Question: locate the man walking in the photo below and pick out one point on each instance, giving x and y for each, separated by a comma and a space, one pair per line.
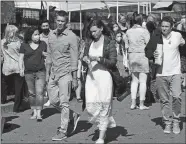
168, 74
62, 65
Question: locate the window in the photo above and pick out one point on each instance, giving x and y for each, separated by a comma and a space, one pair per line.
33, 14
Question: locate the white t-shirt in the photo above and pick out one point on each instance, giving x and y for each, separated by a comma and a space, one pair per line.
171, 56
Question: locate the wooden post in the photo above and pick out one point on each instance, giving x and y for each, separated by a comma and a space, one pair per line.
161, 16
117, 11
80, 22
138, 7
47, 11
150, 7
69, 16
147, 9
143, 9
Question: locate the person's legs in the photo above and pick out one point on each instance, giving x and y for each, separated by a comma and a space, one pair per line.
25, 101
105, 93
39, 86
53, 91
175, 89
134, 88
30, 79
4, 88
67, 114
19, 91
78, 91
61, 102
142, 89
163, 92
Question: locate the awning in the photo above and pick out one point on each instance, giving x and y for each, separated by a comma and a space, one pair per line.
71, 6
162, 5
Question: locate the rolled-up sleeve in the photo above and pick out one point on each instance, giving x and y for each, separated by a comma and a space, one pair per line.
73, 52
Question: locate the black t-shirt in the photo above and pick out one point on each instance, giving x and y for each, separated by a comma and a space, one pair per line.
33, 59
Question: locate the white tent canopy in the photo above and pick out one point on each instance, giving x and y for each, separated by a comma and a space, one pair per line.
162, 5
71, 6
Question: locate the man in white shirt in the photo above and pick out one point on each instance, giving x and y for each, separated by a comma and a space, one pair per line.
169, 76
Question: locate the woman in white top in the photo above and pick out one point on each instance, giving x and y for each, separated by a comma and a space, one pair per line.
100, 56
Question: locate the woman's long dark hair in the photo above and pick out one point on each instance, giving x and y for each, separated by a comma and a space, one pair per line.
28, 34
110, 26
99, 23
122, 43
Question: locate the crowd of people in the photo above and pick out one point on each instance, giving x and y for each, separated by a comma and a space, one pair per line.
114, 60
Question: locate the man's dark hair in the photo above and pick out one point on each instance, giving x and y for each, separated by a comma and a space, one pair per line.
168, 19
44, 21
62, 14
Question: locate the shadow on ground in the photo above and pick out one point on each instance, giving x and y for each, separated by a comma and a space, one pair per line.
82, 126
158, 121
10, 118
47, 112
112, 134
10, 127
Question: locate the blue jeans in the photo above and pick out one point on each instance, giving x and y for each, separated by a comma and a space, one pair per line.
36, 85
169, 91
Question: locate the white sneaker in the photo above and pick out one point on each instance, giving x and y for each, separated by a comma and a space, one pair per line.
100, 141
47, 104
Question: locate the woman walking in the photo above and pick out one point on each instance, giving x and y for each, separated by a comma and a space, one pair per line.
10, 46
31, 64
138, 38
100, 56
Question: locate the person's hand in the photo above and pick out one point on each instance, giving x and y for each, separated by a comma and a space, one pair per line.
93, 58
74, 84
156, 54
182, 42
45, 54
86, 59
22, 72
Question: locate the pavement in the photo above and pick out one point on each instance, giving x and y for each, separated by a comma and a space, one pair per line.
133, 126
